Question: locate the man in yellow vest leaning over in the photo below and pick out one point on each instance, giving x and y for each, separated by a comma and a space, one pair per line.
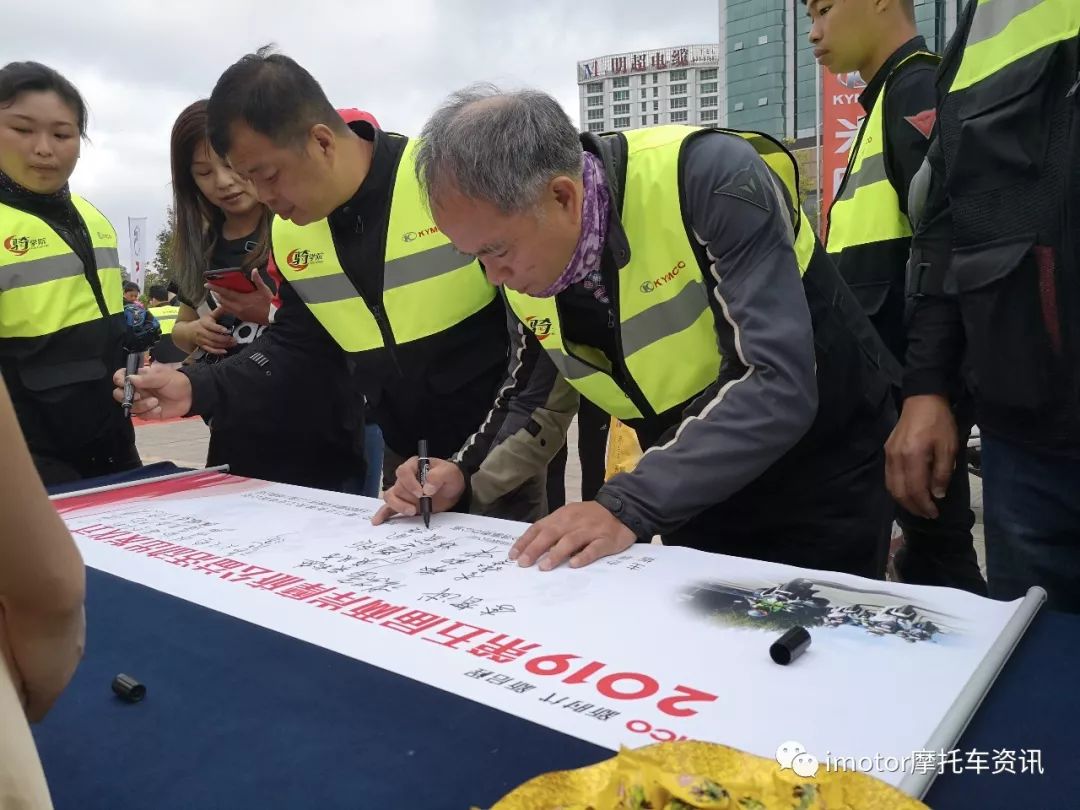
671, 278
377, 305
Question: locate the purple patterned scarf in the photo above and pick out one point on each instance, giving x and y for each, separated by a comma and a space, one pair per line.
584, 265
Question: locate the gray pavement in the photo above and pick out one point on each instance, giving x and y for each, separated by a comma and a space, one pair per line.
184, 442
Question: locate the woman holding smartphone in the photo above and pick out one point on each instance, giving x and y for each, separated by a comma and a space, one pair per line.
220, 226
220, 257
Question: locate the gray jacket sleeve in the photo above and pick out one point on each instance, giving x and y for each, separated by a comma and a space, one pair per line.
766, 396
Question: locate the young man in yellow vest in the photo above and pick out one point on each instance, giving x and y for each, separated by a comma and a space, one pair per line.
377, 305
995, 285
869, 232
161, 309
165, 308
671, 278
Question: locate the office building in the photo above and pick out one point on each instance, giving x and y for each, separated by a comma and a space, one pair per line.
765, 80
678, 85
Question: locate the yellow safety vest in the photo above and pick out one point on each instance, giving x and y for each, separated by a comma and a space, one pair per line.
667, 331
166, 316
867, 209
428, 286
43, 287
1004, 31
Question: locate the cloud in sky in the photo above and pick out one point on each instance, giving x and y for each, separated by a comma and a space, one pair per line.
140, 63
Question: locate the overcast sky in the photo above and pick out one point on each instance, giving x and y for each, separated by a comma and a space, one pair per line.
140, 63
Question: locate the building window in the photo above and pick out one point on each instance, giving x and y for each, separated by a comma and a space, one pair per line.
708, 115
642, 79
707, 101
655, 91
621, 109
761, 102
644, 92
738, 106
594, 87
763, 39
677, 116
644, 106
622, 123
655, 78
596, 115
656, 119
644, 120
595, 101
677, 75
620, 95
678, 103
598, 127
737, 46
709, 87
705, 75
620, 81
678, 89
655, 106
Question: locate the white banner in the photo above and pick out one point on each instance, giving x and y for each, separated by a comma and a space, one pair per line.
655, 644
137, 236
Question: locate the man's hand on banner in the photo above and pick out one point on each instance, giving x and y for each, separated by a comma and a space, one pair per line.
445, 485
580, 532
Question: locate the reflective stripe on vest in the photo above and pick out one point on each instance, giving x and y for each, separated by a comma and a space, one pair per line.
166, 316
43, 286
428, 286
1004, 31
867, 210
667, 329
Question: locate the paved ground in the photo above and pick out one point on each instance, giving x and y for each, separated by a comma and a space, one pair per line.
184, 442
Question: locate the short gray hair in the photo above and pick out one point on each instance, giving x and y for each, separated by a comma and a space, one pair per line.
499, 147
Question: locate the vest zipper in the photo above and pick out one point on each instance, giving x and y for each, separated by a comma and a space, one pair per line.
376, 309
635, 395
1075, 88
632, 390
89, 262
847, 172
388, 337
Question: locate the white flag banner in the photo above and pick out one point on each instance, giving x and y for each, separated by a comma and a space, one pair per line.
137, 236
654, 644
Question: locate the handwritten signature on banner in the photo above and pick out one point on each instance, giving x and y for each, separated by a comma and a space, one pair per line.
498, 648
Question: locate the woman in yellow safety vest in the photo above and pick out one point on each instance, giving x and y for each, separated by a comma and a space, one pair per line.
62, 324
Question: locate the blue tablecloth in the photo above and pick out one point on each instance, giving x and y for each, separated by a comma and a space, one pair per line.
237, 716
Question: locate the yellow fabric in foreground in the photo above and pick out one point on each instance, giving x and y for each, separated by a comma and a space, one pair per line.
689, 775
623, 449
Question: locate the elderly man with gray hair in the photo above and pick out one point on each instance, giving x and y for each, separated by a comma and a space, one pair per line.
670, 276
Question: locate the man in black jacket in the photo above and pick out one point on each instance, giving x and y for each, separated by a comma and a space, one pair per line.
373, 300
995, 283
869, 234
